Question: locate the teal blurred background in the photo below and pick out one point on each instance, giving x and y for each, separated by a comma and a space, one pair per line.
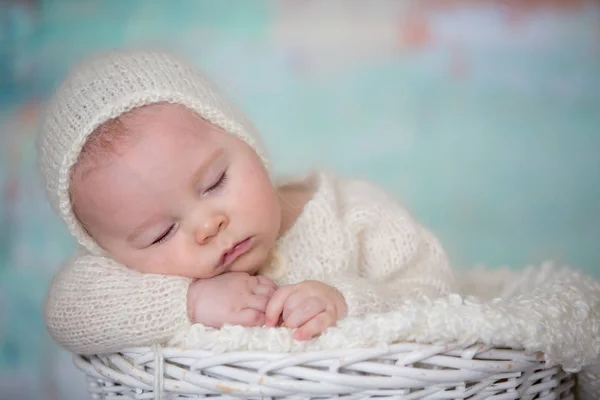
483, 117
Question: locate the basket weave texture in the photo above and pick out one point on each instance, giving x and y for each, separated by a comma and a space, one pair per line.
402, 371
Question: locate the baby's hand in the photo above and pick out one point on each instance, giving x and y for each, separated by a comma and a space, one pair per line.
233, 298
311, 306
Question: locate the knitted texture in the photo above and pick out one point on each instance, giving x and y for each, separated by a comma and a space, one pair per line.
94, 303
351, 235
104, 88
355, 237
546, 308
588, 382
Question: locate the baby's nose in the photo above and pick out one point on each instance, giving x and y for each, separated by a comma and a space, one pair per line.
211, 227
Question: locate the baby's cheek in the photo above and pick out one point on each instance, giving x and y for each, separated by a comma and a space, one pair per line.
267, 209
157, 265
194, 261
251, 207
179, 260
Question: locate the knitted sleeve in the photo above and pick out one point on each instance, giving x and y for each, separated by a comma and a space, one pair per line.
398, 258
96, 306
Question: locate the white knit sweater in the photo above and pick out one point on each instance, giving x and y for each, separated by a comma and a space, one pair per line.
351, 235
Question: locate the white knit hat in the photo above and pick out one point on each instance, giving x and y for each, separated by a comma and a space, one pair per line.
107, 86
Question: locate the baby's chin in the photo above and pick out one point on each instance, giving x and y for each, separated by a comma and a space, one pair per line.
250, 269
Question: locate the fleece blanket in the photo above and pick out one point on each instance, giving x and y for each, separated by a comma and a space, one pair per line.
539, 309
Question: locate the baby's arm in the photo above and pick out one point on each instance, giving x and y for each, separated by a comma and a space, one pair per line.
398, 257
96, 306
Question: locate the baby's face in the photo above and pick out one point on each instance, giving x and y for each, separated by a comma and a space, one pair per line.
184, 198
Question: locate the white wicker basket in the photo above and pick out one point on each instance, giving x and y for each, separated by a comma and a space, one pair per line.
403, 371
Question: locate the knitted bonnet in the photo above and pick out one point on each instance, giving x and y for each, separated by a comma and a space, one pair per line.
105, 87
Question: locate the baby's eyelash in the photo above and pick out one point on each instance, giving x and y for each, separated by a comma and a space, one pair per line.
219, 184
164, 236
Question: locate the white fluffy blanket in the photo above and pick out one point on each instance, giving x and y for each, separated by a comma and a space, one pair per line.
547, 309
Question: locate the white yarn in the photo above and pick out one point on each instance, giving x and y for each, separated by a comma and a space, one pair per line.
558, 315
104, 88
588, 383
95, 303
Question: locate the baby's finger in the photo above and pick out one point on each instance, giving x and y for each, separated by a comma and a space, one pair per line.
249, 317
304, 312
258, 303
293, 302
315, 326
264, 290
263, 280
275, 306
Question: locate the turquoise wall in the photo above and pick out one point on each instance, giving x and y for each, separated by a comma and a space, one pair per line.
483, 118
